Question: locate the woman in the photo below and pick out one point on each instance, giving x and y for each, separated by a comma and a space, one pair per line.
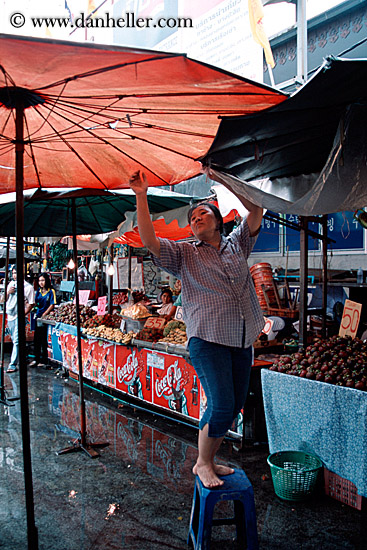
221, 311
45, 301
168, 309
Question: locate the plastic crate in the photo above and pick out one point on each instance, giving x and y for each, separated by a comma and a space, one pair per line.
134, 324
294, 474
341, 489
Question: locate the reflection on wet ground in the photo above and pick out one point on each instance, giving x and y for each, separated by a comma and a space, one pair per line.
137, 494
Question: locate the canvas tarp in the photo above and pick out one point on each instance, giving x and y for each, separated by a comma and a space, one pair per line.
305, 156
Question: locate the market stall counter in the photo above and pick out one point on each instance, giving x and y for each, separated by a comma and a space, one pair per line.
158, 374
326, 420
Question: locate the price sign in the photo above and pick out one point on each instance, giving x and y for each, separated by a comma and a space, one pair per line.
268, 325
178, 314
123, 325
83, 297
155, 322
101, 310
350, 320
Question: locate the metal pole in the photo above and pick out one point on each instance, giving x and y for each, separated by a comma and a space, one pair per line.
324, 274
303, 282
22, 359
81, 444
83, 427
110, 280
129, 268
2, 382
301, 41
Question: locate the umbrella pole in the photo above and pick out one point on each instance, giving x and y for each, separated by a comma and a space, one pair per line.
110, 281
3, 399
80, 444
22, 358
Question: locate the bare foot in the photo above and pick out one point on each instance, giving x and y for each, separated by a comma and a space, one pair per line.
222, 470
207, 476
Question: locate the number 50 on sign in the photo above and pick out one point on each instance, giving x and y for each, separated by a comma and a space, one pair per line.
350, 320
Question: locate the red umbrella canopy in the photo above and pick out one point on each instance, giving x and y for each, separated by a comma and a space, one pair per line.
93, 114
170, 231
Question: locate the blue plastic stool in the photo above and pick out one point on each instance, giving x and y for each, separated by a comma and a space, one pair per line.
237, 488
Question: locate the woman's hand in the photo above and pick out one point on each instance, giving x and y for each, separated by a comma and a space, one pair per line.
139, 183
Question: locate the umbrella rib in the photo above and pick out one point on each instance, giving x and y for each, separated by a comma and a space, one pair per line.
49, 114
106, 69
103, 140
137, 123
93, 214
5, 123
123, 152
149, 110
73, 150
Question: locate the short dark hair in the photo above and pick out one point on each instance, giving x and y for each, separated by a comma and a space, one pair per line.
213, 208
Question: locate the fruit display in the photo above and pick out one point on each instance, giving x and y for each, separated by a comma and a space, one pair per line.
119, 298
176, 336
171, 325
66, 313
150, 334
108, 333
337, 360
137, 311
139, 296
108, 320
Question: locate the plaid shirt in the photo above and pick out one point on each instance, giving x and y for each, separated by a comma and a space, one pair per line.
219, 302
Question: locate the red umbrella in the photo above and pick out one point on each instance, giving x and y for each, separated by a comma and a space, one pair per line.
165, 230
83, 115
95, 114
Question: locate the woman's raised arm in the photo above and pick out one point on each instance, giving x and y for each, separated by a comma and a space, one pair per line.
139, 184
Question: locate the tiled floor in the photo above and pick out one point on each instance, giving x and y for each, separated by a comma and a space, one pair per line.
137, 494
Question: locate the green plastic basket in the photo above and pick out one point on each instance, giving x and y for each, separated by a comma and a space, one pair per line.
294, 474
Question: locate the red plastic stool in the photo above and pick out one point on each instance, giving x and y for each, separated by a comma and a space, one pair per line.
236, 488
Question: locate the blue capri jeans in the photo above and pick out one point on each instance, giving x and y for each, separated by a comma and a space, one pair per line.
224, 373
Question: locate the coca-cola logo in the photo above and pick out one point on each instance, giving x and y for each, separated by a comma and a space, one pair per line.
127, 373
171, 465
171, 383
128, 440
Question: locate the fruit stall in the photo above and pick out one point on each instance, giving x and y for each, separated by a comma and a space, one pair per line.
315, 401
135, 358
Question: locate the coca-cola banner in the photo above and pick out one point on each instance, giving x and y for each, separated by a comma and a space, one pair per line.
90, 358
130, 370
174, 382
106, 365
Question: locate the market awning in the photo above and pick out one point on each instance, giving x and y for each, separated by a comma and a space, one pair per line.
95, 114
305, 156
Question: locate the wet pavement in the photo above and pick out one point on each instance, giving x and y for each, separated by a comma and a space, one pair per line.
137, 494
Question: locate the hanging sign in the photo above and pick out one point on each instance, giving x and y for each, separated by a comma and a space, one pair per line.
101, 310
178, 314
268, 325
155, 322
83, 297
350, 320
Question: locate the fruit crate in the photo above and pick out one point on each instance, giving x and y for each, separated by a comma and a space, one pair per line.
282, 312
341, 489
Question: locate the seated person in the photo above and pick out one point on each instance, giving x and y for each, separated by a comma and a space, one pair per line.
168, 309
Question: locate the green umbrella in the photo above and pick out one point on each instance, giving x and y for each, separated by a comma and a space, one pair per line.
48, 212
